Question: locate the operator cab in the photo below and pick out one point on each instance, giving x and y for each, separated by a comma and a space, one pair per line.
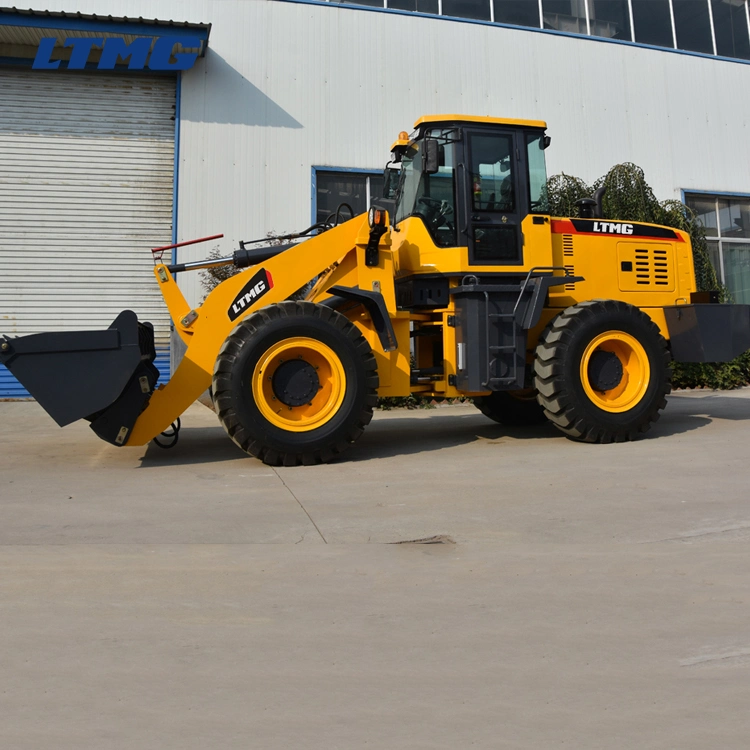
471, 181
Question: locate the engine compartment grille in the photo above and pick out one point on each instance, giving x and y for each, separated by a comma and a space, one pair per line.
652, 267
567, 245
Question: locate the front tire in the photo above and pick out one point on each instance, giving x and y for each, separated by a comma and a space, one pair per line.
602, 372
295, 383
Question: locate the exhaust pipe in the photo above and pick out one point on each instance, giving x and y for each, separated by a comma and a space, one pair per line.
106, 376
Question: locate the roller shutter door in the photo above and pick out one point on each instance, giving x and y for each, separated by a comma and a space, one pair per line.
86, 189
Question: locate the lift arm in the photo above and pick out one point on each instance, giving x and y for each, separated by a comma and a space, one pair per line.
205, 328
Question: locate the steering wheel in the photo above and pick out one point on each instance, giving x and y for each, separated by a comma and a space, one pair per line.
439, 211
431, 202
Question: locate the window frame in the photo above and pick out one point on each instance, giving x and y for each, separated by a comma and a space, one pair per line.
367, 173
718, 239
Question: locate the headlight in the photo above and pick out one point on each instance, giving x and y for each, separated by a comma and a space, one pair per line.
376, 217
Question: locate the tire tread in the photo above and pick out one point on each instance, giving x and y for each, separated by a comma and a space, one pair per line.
555, 395
227, 361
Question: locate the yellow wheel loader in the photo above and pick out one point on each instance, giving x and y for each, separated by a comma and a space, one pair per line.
457, 283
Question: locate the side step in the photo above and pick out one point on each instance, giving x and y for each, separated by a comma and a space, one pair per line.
105, 376
493, 320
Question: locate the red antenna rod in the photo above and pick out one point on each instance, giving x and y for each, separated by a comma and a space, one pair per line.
187, 242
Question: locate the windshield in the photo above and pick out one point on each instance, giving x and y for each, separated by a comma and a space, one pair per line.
432, 197
535, 146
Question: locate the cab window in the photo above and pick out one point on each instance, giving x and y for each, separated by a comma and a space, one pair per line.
432, 197
492, 179
538, 202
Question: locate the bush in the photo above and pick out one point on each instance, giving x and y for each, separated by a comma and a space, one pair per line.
212, 277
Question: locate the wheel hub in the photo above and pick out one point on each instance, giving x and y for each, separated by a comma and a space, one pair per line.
295, 382
615, 371
605, 370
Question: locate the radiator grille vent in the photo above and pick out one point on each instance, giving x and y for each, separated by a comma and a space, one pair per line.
652, 267
567, 244
661, 268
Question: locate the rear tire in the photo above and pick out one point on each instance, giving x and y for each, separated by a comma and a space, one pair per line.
512, 408
602, 372
295, 383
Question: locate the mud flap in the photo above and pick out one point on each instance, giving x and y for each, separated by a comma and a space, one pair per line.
105, 376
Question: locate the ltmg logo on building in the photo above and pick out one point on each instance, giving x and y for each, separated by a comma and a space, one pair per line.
115, 49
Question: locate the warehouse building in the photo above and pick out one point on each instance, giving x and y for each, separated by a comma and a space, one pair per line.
121, 132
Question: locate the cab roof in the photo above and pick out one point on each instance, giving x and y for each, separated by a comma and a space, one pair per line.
428, 119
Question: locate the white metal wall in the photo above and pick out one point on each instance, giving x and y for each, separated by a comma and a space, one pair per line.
86, 183
285, 86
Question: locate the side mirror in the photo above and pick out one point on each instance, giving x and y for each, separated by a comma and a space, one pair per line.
544, 142
431, 157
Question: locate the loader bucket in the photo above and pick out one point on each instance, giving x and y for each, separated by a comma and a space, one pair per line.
105, 376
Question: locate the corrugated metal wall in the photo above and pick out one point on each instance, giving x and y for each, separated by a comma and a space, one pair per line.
285, 86
86, 183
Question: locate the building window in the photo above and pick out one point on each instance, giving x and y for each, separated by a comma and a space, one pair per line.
731, 29
727, 222
610, 19
565, 15
333, 187
693, 25
653, 22
712, 27
368, 3
517, 12
417, 6
478, 9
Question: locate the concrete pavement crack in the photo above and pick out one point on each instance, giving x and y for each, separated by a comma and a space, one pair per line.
703, 534
299, 502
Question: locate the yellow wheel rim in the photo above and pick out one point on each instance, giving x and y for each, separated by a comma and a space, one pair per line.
325, 402
636, 371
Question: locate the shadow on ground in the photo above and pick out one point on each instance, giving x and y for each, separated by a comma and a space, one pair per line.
401, 436
686, 414
398, 435
714, 406
197, 445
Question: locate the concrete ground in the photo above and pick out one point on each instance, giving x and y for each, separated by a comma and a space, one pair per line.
580, 596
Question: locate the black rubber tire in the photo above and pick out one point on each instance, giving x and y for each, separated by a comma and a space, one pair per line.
510, 409
558, 379
232, 390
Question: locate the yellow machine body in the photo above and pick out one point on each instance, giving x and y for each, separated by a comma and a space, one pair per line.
664, 277
338, 256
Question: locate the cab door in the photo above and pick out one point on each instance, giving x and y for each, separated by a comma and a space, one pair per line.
495, 202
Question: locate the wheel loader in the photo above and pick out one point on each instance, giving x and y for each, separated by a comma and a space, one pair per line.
458, 283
